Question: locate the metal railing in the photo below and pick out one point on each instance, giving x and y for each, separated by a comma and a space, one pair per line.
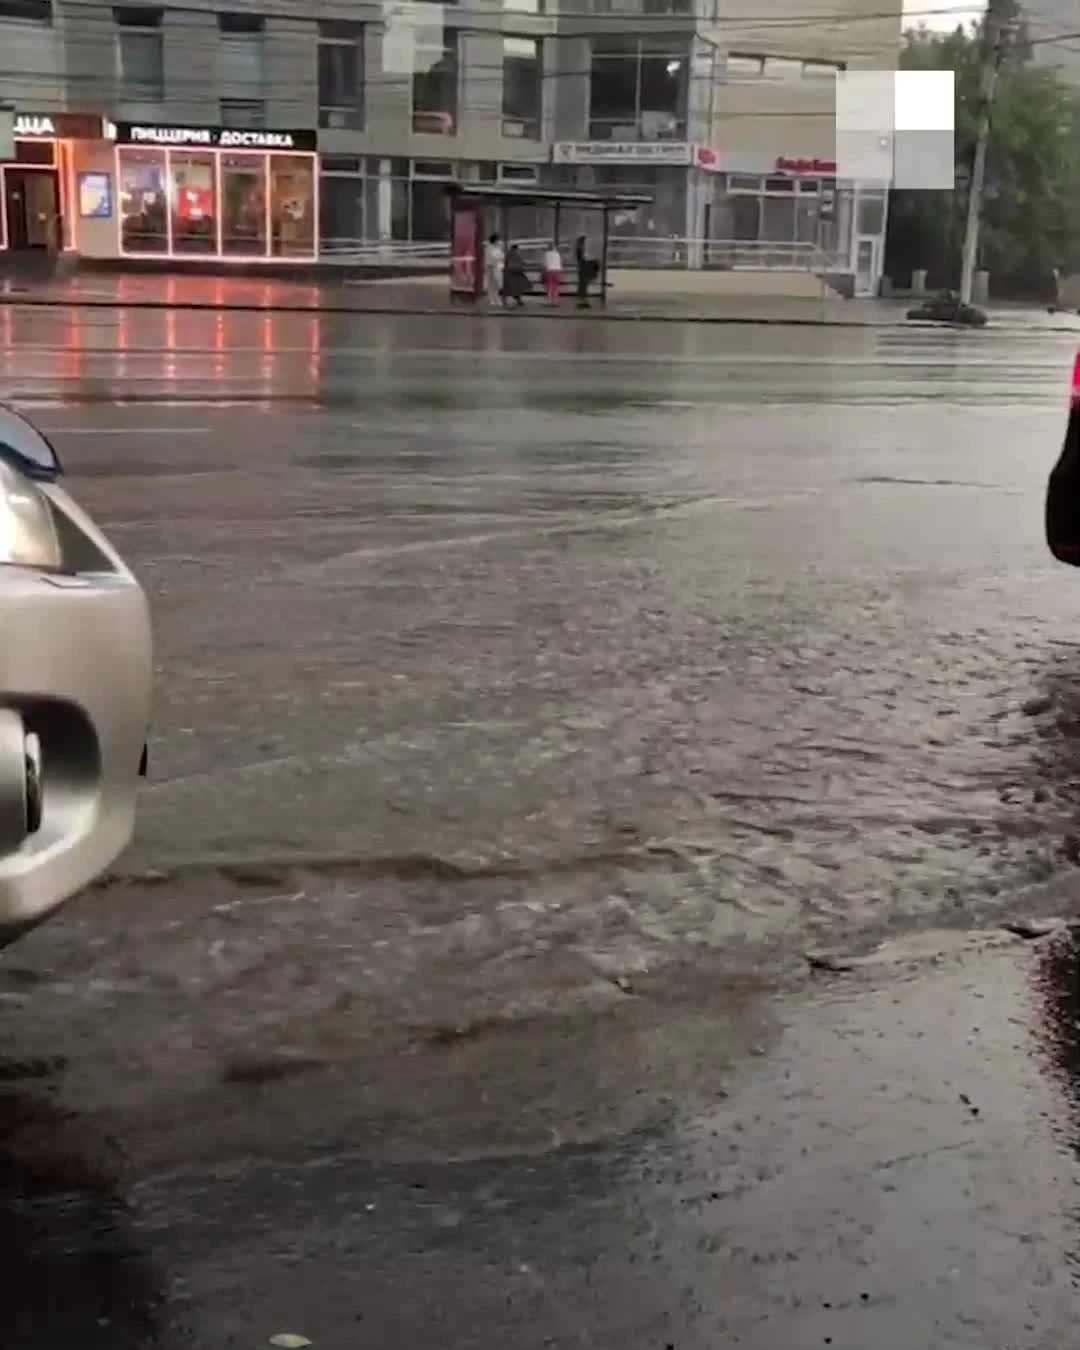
764, 255
645, 251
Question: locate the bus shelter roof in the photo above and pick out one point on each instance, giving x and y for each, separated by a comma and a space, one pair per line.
536, 196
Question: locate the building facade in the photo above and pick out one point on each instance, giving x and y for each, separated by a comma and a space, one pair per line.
269, 130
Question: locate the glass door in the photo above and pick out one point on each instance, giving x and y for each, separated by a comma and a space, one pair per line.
867, 265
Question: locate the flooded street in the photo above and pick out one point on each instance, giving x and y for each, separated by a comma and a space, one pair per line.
531, 698
574, 654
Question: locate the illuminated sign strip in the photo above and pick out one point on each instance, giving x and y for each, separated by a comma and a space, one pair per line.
217, 138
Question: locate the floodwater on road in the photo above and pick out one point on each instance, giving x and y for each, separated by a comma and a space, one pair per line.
506, 667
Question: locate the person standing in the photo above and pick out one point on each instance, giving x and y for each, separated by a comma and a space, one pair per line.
585, 270
552, 273
494, 267
516, 278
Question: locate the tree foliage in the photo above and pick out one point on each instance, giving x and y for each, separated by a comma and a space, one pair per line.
1031, 215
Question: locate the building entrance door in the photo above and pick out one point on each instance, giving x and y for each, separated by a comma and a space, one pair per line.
32, 209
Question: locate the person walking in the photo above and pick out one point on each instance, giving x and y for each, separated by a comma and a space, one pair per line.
552, 273
494, 267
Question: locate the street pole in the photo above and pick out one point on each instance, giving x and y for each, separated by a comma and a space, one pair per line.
992, 44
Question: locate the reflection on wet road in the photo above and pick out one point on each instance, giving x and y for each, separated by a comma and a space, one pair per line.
531, 697
356, 361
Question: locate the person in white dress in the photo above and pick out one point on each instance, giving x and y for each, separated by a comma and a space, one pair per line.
494, 266
552, 273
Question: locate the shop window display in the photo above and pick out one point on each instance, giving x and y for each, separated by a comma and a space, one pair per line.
194, 208
143, 205
243, 205
292, 206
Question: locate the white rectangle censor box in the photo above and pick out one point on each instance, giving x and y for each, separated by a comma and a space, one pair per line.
896, 128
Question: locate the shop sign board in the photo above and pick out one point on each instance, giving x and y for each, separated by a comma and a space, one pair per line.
215, 138
73, 126
622, 152
820, 168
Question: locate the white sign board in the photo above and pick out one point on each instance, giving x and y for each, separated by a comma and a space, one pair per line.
622, 152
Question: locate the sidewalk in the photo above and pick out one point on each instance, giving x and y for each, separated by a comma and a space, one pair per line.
430, 296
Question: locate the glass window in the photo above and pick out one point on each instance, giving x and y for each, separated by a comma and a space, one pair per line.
663, 89
821, 70
243, 114
194, 208
778, 219
740, 66
140, 54
29, 11
871, 214
430, 216
806, 221
613, 89
143, 221
524, 6
638, 88
523, 87
292, 206
340, 74
241, 58
243, 205
341, 211
435, 90
781, 68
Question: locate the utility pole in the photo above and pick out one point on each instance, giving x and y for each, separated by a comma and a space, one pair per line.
993, 43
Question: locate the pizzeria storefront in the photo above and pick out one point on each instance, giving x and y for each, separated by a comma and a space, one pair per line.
215, 193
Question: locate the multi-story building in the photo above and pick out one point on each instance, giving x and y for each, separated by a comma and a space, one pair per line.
276, 130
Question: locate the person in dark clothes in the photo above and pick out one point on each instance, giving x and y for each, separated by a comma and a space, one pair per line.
516, 279
584, 270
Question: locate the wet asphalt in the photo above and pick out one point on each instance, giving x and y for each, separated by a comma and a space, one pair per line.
532, 698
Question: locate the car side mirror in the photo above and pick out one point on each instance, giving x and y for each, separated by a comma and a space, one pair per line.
27, 449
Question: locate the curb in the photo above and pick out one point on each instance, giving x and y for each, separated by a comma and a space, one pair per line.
415, 311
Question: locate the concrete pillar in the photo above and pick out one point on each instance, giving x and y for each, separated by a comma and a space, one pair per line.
918, 281
383, 202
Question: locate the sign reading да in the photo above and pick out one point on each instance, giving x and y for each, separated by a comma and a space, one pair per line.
214, 138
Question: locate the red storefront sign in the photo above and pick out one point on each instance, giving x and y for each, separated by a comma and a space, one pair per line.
824, 167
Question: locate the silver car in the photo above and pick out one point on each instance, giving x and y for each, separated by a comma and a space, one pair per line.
75, 677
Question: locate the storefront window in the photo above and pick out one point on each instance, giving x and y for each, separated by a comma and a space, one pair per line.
292, 206
194, 205
341, 202
143, 202
243, 205
776, 221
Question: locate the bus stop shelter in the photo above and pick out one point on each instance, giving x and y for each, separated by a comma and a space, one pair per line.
479, 209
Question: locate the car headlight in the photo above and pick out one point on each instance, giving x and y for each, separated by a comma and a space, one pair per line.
27, 530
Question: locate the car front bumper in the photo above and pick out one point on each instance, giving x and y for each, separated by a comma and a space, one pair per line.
76, 667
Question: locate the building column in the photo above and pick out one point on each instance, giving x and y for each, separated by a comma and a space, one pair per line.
384, 205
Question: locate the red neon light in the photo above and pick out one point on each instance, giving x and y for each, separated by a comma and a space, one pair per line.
1075, 393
